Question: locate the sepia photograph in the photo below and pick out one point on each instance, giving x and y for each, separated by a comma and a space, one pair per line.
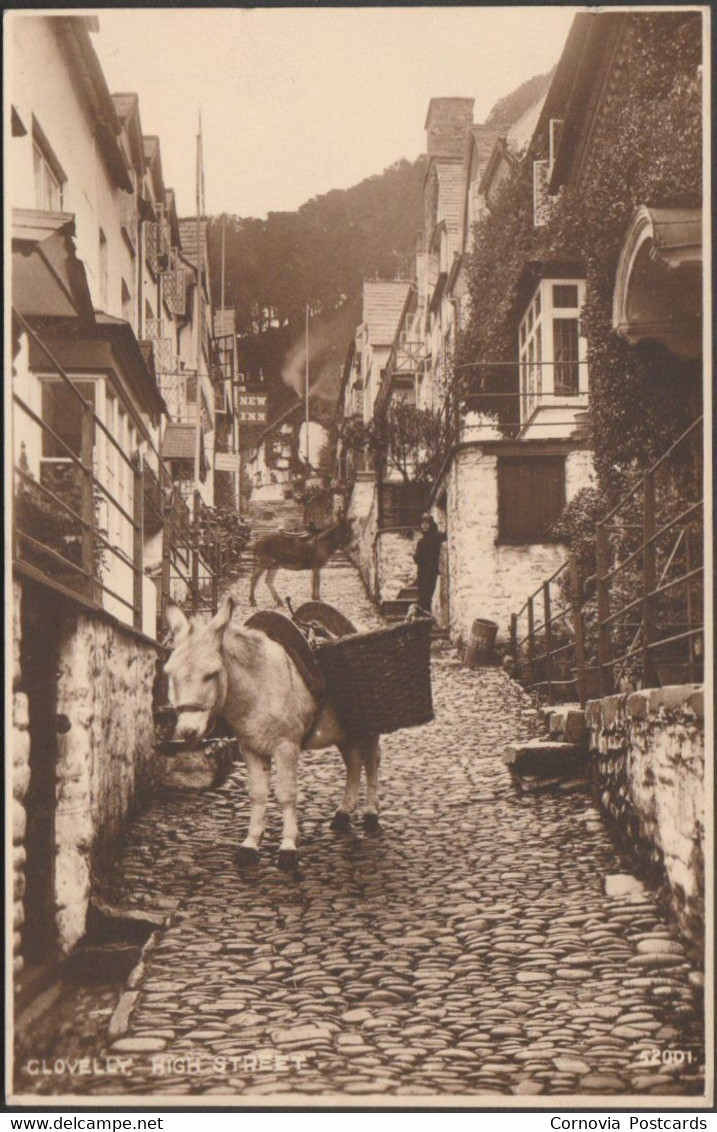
357, 446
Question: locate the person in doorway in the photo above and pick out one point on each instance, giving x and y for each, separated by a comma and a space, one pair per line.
426, 557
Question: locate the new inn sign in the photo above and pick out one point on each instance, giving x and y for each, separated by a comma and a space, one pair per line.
251, 407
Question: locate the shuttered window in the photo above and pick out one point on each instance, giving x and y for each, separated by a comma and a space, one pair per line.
531, 495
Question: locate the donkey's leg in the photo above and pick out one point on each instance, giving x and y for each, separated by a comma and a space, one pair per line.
258, 782
256, 573
351, 754
372, 760
316, 583
270, 575
286, 757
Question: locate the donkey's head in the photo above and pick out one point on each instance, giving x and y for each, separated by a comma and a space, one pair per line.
197, 676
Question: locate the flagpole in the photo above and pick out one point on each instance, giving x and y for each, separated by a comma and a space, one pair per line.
198, 422
307, 384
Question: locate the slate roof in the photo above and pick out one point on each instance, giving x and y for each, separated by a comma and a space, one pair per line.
484, 138
178, 441
188, 238
382, 305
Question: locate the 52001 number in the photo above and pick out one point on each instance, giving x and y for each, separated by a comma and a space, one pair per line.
666, 1056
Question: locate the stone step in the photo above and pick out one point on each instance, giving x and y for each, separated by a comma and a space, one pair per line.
408, 593
547, 758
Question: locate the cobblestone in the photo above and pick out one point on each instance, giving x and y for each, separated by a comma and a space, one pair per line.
485, 942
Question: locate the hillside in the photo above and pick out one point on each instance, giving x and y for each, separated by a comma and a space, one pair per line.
318, 255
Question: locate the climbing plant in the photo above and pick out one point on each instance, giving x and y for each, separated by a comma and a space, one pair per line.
646, 150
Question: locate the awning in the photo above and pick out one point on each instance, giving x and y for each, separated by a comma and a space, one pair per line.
178, 443
658, 286
48, 280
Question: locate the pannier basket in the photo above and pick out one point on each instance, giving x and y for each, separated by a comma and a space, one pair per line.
380, 681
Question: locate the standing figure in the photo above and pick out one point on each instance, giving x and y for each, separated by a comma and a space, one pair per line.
426, 557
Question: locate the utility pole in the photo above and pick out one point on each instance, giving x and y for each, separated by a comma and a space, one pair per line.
198, 421
307, 385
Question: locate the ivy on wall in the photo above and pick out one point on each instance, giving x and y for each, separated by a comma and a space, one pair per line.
646, 149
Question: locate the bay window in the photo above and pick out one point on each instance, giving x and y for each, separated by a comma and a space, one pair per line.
552, 351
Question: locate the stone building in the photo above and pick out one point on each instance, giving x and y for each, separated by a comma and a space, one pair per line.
495, 498
103, 320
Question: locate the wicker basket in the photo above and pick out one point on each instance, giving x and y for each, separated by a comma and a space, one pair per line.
380, 681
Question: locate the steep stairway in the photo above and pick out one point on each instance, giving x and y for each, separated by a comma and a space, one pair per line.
267, 518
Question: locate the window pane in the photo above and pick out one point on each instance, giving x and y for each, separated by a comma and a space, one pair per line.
565, 344
62, 411
37, 171
565, 295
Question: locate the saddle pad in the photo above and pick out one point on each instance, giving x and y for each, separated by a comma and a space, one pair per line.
278, 627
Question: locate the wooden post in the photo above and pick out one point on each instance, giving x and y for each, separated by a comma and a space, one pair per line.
649, 581
689, 559
579, 629
138, 539
215, 566
194, 539
548, 636
514, 636
166, 554
87, 502
531, 641
603, 611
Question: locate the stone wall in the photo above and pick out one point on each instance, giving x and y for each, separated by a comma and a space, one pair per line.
396, 568
363, 511
485, 578
104, 759
648, 752
105, 748
20, 781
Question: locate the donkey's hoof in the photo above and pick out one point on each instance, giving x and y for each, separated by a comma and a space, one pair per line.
371, 823
247, 856
288, 860
252, 601
341, 821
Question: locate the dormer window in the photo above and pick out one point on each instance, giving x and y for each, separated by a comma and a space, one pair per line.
47, 173
552, 352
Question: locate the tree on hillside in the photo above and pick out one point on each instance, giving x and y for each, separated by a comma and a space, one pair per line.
509, 109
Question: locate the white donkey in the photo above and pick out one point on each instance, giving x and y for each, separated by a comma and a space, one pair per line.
220, 669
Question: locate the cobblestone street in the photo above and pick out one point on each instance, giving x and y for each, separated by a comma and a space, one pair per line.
468, 949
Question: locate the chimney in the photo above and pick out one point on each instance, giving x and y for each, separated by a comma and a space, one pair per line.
447, 121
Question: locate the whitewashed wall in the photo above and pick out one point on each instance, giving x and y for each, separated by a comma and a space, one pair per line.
486, 579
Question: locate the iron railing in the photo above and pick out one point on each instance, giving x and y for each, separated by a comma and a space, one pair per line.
86, 533
639, 620
549, 638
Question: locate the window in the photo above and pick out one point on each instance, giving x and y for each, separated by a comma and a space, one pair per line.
48, 186
104, 272
127, 304
62, 411
531, 495
552, 352
565, 345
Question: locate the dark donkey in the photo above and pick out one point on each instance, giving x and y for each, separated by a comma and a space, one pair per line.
288, 551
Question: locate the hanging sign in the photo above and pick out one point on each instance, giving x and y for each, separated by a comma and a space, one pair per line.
252, 407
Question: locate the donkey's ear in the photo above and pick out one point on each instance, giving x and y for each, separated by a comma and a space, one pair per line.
178, 624
221, 619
